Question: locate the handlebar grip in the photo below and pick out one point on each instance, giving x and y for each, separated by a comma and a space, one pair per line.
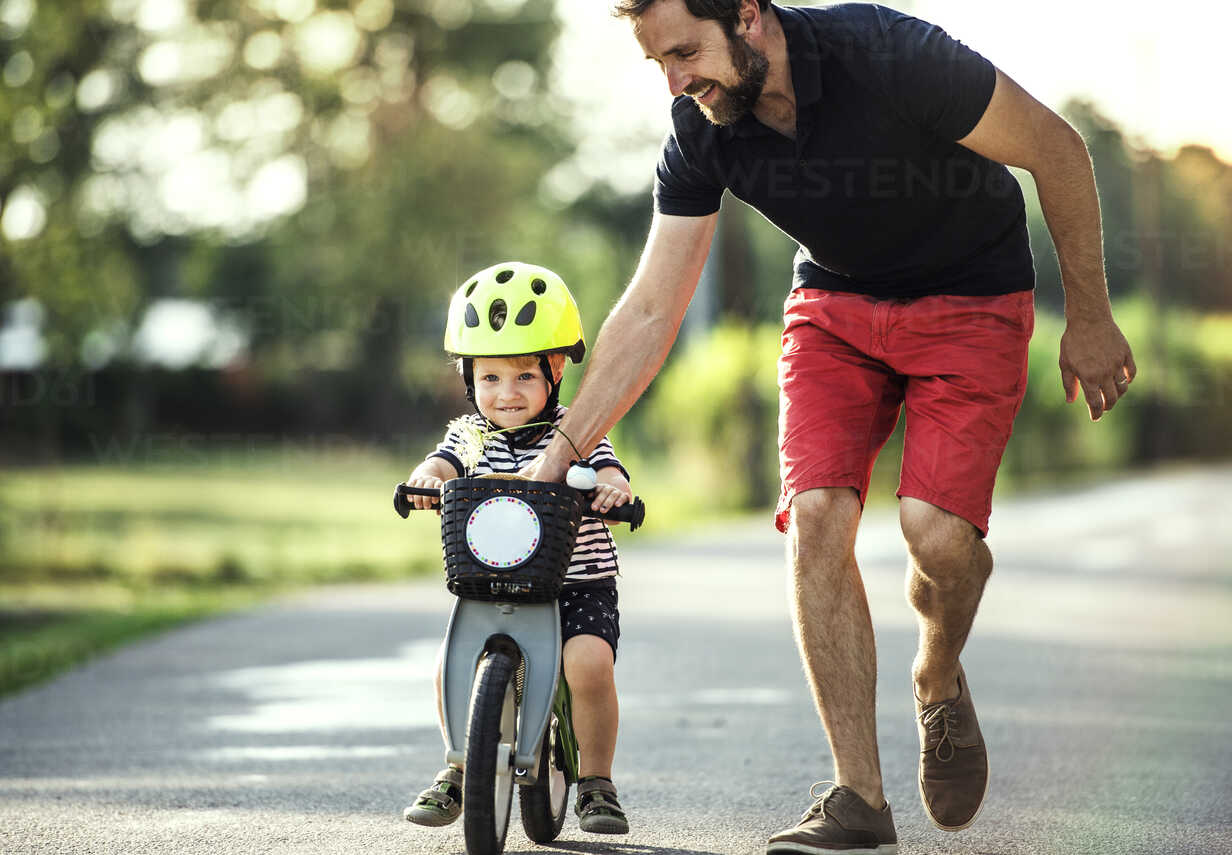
403, 505
633, 513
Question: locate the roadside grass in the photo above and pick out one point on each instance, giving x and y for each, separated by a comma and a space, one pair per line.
92, 556
274, 518
96, 555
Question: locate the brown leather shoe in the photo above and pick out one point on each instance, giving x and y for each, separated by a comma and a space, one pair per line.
953, 759
840, 821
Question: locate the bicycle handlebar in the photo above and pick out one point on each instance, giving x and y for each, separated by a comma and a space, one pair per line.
633, 513
403, 505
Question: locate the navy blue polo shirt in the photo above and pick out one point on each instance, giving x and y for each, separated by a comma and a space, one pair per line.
874, 189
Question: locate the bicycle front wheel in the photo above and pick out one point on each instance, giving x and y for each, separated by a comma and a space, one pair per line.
544, 802
487, 786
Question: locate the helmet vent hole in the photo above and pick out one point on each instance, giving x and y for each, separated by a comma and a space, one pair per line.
538, 286
526, 315
470, 289
504, 276
497, 313
471, 317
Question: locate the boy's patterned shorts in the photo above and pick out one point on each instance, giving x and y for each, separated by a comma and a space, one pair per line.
586, 610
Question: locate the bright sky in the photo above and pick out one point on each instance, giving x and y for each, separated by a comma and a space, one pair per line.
1156, 69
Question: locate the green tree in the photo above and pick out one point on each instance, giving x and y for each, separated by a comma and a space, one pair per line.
145, 133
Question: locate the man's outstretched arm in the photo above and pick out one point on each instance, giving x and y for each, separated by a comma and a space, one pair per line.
635, 338
1019, 131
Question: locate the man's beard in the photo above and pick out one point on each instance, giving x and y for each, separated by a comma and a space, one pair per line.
734, 102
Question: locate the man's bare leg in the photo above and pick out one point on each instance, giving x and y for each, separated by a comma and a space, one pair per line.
834, 632
949, 564
945, 580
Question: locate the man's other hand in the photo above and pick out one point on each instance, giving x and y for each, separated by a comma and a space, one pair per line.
1096, 360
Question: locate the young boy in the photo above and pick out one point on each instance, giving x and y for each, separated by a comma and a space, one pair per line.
511, 327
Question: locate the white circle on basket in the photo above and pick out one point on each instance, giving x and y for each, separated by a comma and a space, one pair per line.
503, 532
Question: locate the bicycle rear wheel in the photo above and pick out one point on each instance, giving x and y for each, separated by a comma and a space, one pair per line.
487, 786
544, 802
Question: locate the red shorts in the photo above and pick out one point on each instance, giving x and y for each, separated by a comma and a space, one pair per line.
849, 365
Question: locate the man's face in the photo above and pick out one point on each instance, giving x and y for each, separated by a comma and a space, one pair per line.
723, 73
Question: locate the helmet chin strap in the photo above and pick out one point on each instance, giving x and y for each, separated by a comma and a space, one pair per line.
526, 436
549, 408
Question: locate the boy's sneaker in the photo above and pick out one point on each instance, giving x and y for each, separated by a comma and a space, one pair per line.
839, 821
597, 809
953, 760
441, 803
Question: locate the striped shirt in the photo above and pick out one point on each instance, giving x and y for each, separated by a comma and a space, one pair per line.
594, 557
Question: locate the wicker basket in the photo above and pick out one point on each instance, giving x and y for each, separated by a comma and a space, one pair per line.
536, 579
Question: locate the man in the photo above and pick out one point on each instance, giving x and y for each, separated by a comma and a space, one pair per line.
877, 142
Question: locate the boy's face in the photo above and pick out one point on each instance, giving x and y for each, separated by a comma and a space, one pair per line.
509, 391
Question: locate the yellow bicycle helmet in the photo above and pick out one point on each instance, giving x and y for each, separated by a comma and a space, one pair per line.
514, 309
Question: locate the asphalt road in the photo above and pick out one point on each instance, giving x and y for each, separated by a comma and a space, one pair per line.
1100, 666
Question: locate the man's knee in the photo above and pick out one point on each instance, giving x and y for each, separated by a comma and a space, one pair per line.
825, 509
941, 544
821, 540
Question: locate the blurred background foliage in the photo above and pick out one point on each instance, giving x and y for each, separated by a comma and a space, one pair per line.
229, 230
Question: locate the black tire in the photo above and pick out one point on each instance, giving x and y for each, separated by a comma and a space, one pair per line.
487, 786
545, 802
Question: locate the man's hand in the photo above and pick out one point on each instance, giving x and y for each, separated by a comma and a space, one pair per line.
1096, 360
545, 467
